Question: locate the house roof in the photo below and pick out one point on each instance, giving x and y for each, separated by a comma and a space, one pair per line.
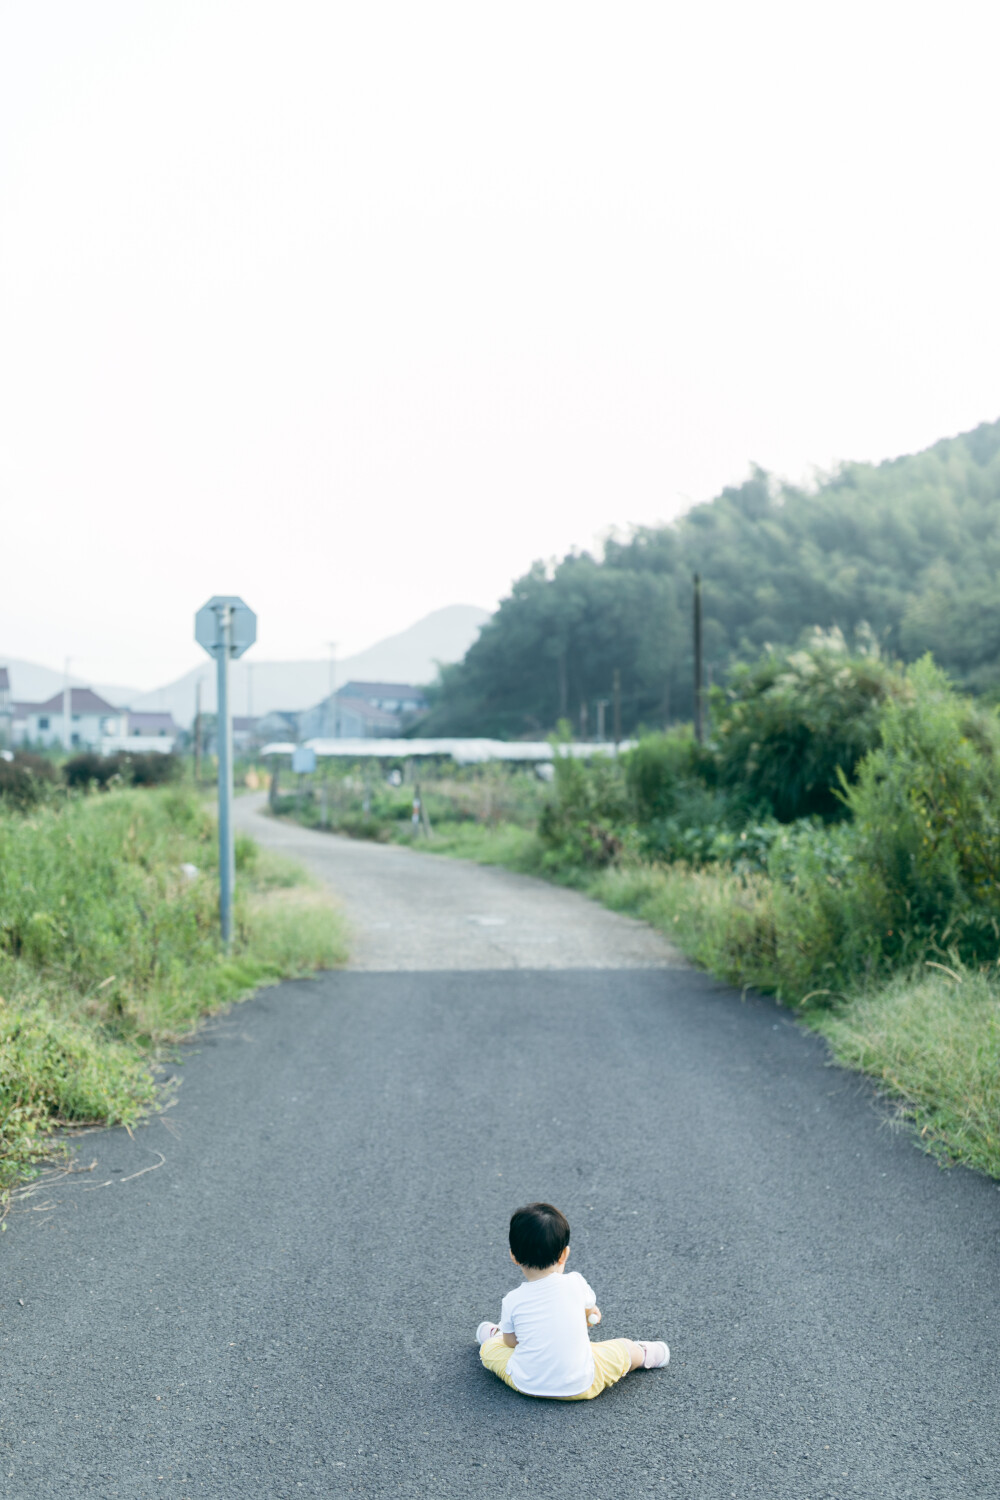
151, 722
243, 724
354, 689
368, 712
279, 715
82, 701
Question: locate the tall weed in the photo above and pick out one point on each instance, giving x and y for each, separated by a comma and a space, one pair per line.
109, 944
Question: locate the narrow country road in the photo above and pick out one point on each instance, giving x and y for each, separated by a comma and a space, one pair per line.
284, 1304
413, 911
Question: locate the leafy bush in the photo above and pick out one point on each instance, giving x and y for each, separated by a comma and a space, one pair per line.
150, 768
584, 822
662, 770
26, 780
925, 866
90, 769
787, 727
912, 874
131, 769
703, 816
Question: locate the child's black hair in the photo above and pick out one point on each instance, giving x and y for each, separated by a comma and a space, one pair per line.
539, 1234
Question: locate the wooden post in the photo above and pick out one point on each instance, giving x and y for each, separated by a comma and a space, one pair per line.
618, 706
602, 704
699, 707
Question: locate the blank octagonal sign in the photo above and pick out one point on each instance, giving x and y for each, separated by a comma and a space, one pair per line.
208, 625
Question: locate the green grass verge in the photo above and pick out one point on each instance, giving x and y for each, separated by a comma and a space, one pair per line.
109, 949
931, 1039
934, 1043
506, 844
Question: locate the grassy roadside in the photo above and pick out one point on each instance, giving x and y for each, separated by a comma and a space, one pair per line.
930, 1036
109, 951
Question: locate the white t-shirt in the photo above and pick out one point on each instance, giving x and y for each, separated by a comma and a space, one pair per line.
553, 1355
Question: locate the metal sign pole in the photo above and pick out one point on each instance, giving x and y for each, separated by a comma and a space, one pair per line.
226, 628
227, 860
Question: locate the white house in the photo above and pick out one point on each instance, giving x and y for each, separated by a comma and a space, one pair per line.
92, 720
147, 734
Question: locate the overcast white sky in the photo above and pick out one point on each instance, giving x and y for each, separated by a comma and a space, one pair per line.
356, 308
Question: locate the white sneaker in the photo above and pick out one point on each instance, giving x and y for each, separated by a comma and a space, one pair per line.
487, 1330
657, 1354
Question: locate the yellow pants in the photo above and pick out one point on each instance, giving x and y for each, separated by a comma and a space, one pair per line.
612, 1360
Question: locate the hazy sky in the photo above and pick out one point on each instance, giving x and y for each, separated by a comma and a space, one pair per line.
355, 309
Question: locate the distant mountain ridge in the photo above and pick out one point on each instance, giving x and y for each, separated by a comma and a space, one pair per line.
32, 683
258, 687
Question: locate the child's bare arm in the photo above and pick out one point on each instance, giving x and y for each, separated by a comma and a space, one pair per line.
510, 1339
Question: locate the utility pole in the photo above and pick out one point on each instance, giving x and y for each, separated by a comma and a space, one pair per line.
699, 720
618, 706
602, 704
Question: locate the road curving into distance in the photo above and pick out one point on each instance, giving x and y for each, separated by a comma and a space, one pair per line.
271, 1290
410, 910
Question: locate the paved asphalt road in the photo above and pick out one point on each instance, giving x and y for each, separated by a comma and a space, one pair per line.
285, 1306
413, 911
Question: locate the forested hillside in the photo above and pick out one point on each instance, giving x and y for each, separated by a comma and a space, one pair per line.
909, 548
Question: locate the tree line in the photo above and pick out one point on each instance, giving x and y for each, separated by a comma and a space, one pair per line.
907, 551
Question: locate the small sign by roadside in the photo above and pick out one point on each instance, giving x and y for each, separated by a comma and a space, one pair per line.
226, 627
208, 625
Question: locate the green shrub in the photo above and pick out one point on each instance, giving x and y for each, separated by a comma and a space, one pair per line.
583, 824
151, 768
925, 865
26, 780
913, 873
148, 768
662, 770
787, 727
91, 769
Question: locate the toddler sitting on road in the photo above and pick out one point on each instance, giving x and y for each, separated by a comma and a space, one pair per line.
541, 1346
